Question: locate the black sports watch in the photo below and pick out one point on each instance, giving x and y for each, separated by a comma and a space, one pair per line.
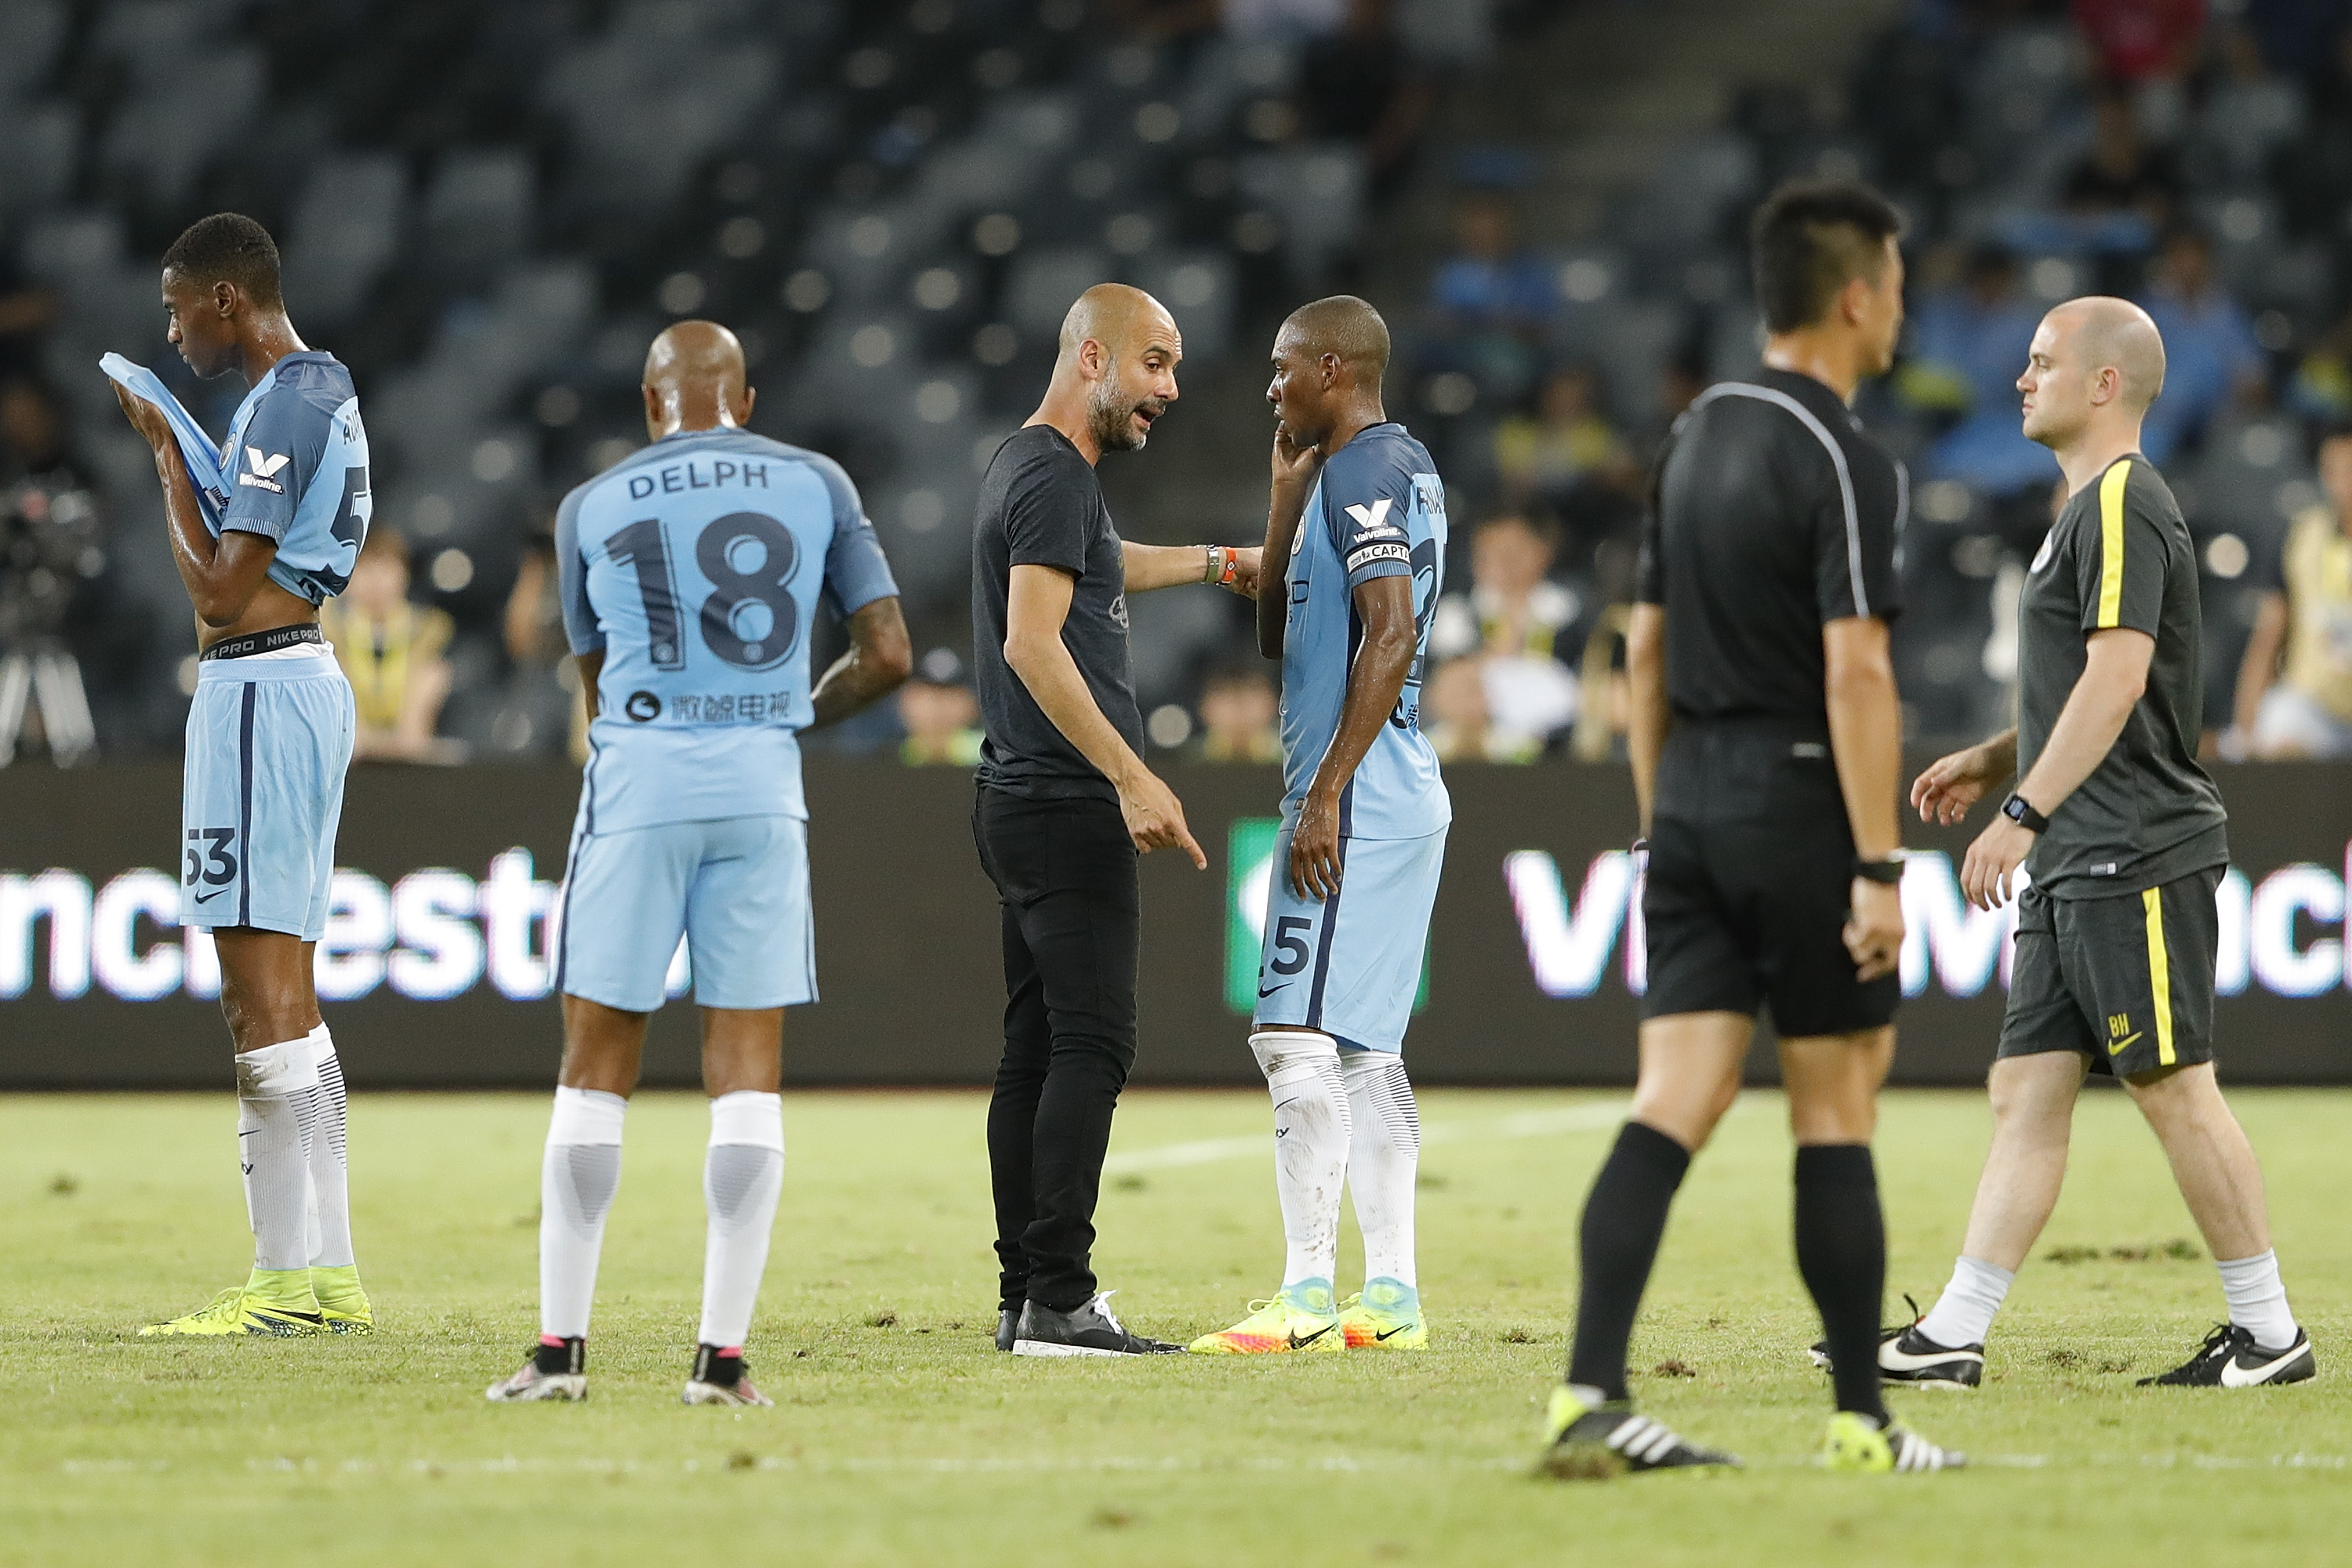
1889, 872
2017, 810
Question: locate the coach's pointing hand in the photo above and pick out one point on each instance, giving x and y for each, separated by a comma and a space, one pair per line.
1155, 817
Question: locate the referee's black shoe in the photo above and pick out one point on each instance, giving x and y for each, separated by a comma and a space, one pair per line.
1008, 1327
2230, 1359
1089, 1329
1906, 1356
1595, 1442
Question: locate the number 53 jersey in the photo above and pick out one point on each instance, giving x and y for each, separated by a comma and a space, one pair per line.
695, 566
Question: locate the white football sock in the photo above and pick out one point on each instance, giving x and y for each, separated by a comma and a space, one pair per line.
2258, 1298
324, 1112
741, 1178
1384, 1163
576, 1183
269, 1083
1310, 1146
1963, 1314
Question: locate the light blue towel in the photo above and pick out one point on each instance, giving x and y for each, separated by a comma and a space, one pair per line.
196, 449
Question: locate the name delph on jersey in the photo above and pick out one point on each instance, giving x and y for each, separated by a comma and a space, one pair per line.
696, 567
1377, 510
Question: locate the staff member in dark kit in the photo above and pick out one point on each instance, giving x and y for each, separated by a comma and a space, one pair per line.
1766, 744
1065, 804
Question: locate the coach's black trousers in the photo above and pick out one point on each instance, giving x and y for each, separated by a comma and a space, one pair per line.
1065, 880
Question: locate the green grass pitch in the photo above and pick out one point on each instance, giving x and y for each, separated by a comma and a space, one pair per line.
901, 1437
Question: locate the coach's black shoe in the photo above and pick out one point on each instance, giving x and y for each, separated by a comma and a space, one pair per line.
1008, 1327
1597, 1442
2230, 1359
1907, 1356
1089, 1329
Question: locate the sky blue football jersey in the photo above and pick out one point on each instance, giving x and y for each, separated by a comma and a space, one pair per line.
296, 469
1377, 510
695, 566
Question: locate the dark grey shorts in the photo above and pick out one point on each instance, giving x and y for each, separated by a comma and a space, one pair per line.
2128, 981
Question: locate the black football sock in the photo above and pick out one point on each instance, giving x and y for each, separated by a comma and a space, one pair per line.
557, 1357
1841, 1253
1624, 1216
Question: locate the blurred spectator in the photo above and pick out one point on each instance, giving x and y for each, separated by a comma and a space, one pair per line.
2294, 688
1546, 455
1967, 348
942, 715
2142, 40
1239, 714
1518, 619
1491, 302
1456, 717
1512, 607
544, 703
2322, 388
2313, 171
2121, 173
2211, 353
50, 554
1359, 84
394, 653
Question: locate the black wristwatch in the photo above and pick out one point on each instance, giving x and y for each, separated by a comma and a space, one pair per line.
1889, 872
2017, 810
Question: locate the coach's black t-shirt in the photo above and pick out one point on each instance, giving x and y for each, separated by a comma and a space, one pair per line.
1041, 505
2120, 555
1772, 511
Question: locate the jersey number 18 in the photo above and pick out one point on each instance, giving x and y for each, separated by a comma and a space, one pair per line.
732, 624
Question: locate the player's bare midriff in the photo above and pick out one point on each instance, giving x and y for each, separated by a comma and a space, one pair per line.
271, 607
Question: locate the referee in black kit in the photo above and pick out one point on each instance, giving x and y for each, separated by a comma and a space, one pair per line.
1766, 744
1065, 804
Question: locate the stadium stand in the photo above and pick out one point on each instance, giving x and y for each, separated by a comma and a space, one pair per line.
488, 211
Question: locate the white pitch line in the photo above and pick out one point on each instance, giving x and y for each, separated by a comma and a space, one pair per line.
1584, 1117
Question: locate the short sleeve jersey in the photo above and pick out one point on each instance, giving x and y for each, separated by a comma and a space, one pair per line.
1772, 512
296, 464
695, 566
1041, 505
2120, 555
1378, 510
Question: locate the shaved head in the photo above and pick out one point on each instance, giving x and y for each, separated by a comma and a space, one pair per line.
1329, 359
1118, 351
2092, 370
1115, 316
696, 357
1344, 327
695, 380
2116, 334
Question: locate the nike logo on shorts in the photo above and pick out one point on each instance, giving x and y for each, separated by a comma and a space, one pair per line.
1265, 991
207, 897
2115, 1048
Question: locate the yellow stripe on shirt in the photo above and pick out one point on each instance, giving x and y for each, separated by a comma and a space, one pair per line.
2159, 974
2111, 544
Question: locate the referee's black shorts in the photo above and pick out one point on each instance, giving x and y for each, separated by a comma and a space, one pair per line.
1751, 875
2126, 981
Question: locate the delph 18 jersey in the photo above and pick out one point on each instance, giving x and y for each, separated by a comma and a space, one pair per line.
695, 566
1377, 510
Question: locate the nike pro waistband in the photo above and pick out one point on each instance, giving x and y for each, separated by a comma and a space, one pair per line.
270, 641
